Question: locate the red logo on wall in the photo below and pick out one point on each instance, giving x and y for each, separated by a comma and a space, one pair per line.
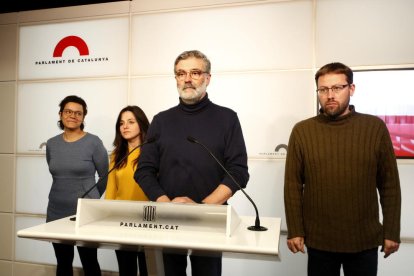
79, 44
68, 41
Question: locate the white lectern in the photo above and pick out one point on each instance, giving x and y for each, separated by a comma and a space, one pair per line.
151, 226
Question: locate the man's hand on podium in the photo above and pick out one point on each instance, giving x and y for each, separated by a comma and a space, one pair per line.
183, 199
163, 198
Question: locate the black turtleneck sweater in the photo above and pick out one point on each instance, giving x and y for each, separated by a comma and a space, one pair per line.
175, 167
334, 168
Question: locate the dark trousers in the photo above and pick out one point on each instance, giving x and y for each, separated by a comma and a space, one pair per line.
176, 265
323, 263
127, 263
64, 256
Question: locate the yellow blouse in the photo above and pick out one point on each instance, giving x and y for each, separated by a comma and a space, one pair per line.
121, 184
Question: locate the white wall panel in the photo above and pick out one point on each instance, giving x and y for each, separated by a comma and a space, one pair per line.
252, 37
33, 180
154, 94
34, 251
268, 104
106, 39
369, 32
38, 107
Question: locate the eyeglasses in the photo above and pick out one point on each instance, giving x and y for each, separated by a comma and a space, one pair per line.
69, 112
335, 89
194, 74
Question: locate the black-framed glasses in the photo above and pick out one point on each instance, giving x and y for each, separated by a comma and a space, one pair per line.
335, 89
69, 112
194, 74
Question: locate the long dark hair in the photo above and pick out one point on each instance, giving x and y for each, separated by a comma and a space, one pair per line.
72, 99
121, 144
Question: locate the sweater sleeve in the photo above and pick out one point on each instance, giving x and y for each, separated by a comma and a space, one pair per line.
388, 185
100, 159
293, 188
235, 157
149, 164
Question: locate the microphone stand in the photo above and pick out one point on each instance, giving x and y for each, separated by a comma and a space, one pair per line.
256, 226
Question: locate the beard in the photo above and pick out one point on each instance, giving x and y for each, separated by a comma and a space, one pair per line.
191, 94
337, 111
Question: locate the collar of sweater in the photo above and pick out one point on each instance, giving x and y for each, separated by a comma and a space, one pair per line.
336, 120
193, 108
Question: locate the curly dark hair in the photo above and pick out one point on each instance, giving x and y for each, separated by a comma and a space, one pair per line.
72, 99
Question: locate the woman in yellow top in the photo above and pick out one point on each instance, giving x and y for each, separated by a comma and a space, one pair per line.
130, 131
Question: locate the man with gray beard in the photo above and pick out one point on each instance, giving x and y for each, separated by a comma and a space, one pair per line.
172, 169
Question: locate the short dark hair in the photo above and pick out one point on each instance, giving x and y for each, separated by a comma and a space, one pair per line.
195, 54
72, 99
335, 68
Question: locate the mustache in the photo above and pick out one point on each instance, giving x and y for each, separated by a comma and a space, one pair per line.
189, 85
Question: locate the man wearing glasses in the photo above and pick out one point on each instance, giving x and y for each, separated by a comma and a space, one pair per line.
172, 169
336, 163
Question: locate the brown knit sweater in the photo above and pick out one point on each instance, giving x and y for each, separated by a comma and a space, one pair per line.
334, 168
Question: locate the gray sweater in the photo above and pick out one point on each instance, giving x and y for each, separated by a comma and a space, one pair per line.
73, 166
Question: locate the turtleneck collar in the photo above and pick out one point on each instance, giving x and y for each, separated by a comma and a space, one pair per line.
339, 119
193, 108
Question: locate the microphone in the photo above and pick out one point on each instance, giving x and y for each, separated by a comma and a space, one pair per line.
150, 140
256, 226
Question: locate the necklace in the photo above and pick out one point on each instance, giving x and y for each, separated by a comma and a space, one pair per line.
74, 137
